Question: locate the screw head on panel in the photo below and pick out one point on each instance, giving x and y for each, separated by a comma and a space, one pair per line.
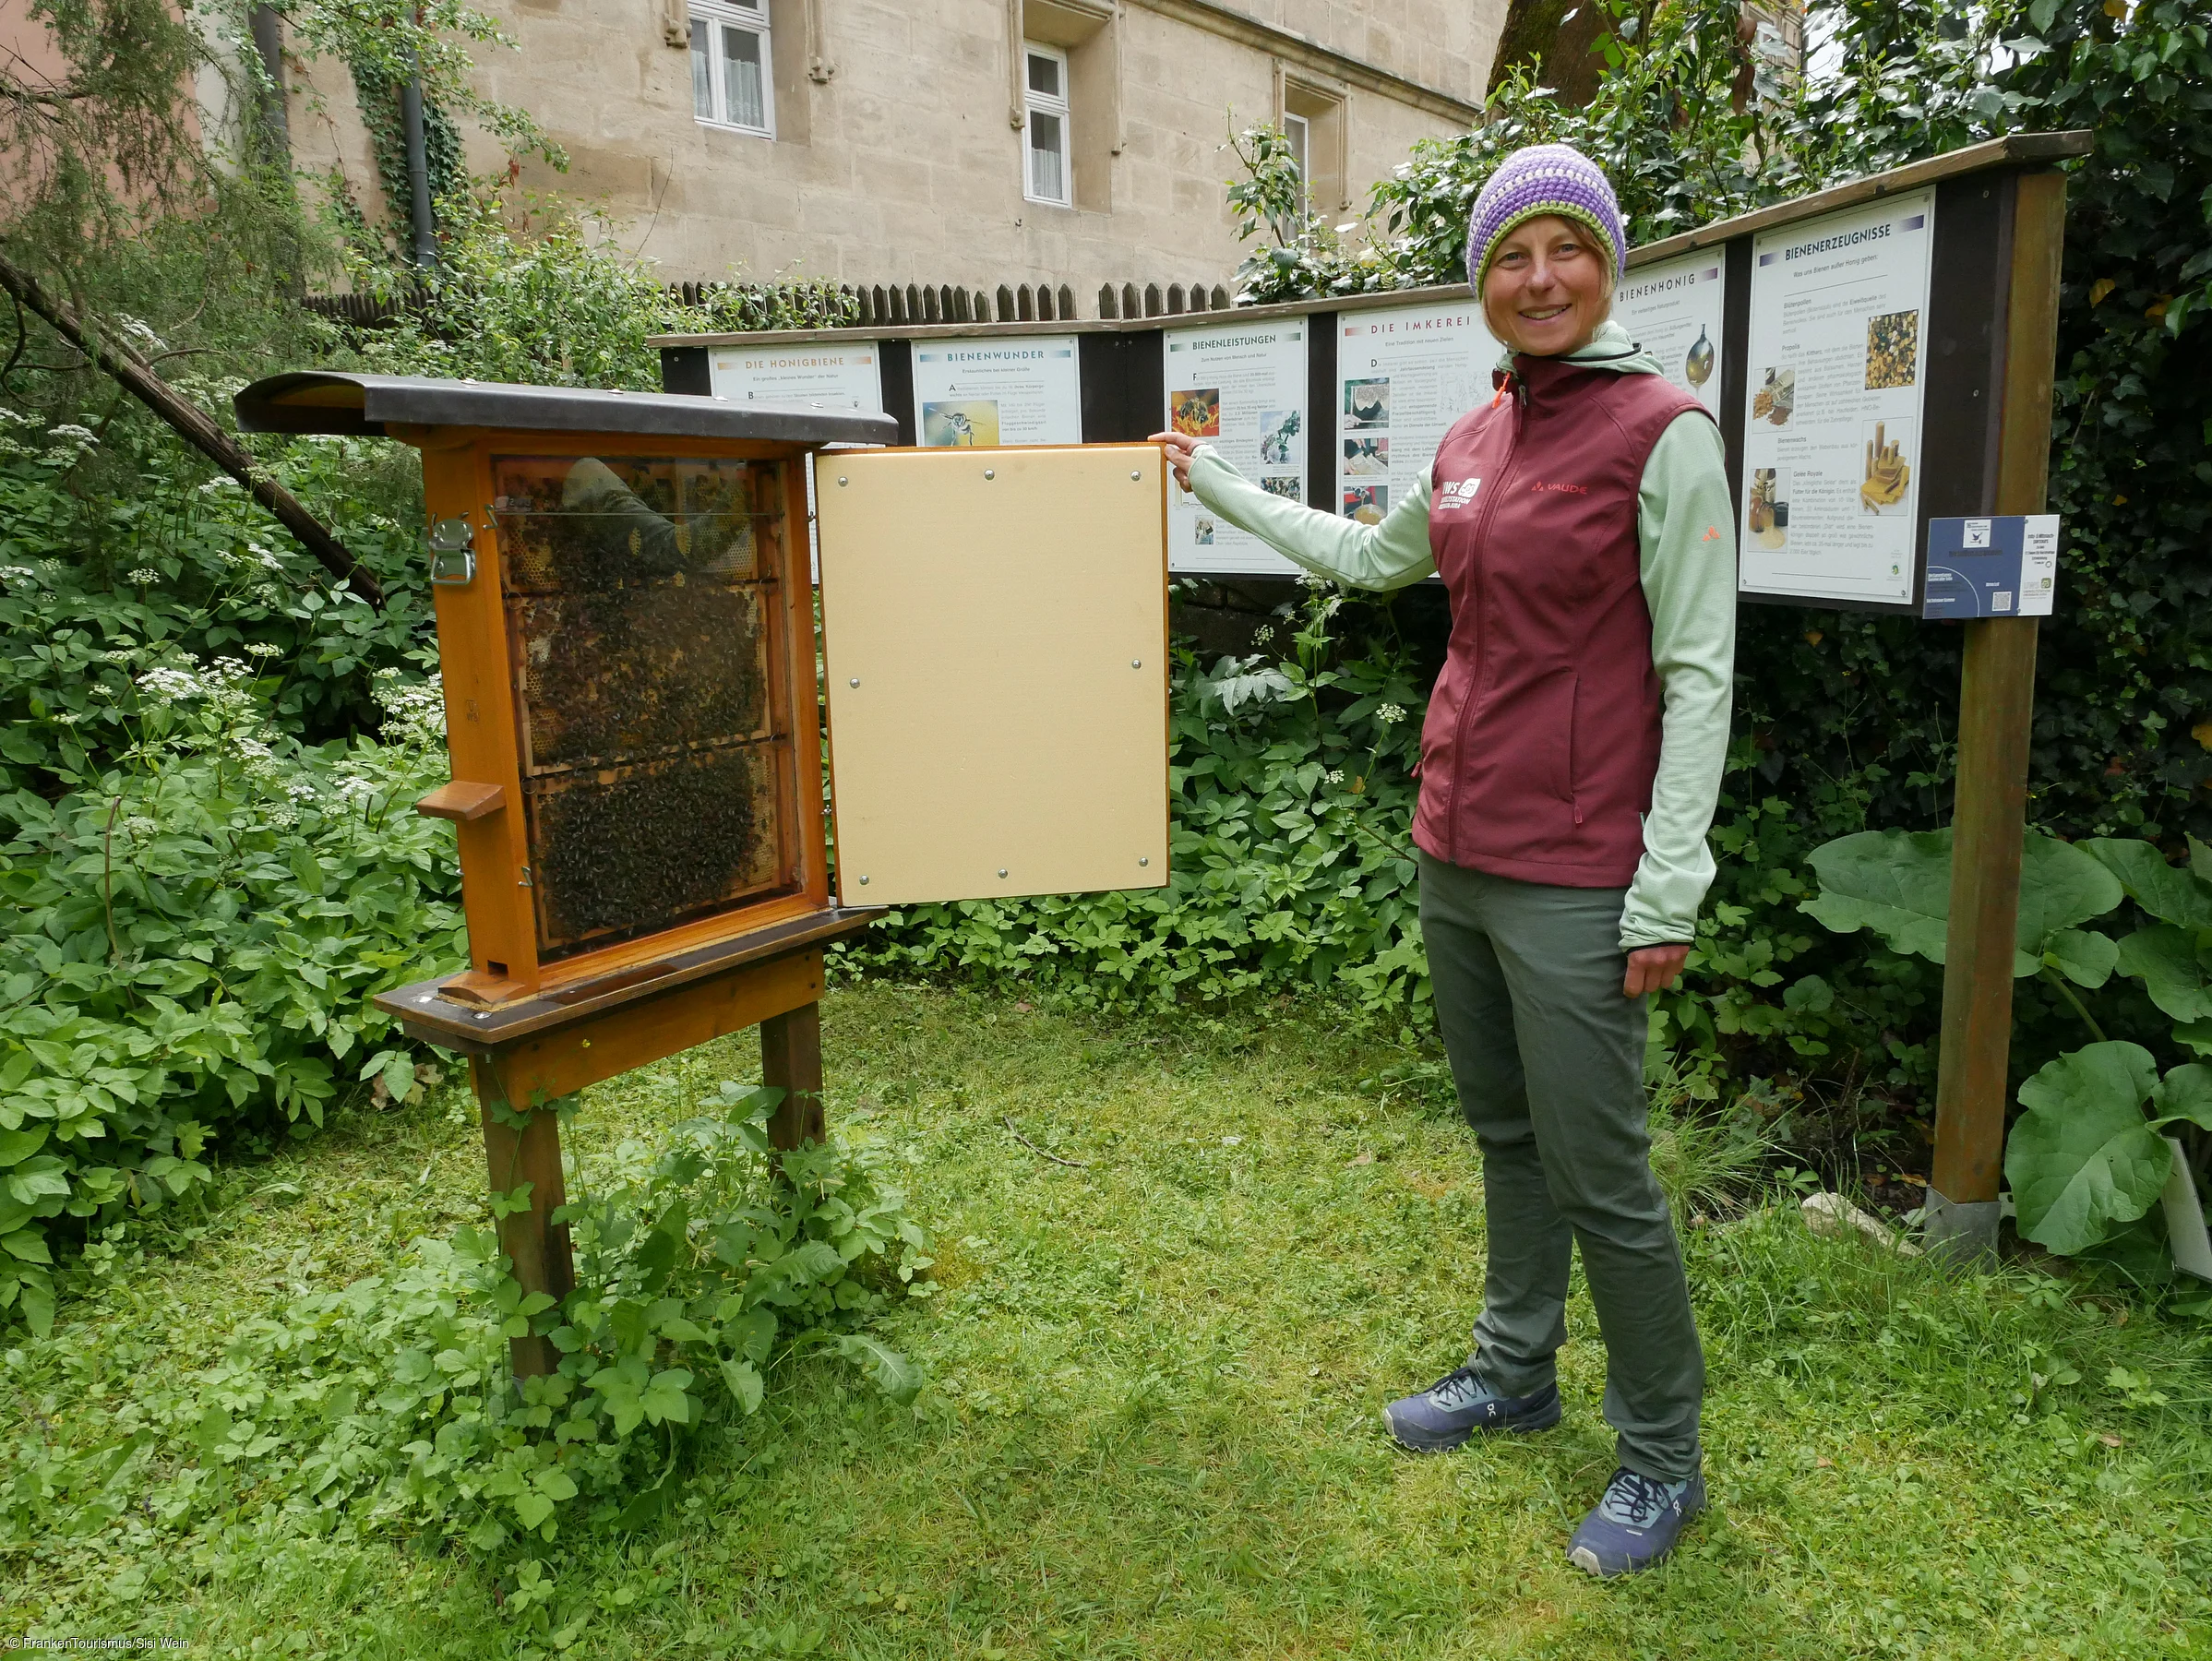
990, 473
842, 479
864, 882
854, 682
1144, 859
1136, 662
1001, 870
1135, 475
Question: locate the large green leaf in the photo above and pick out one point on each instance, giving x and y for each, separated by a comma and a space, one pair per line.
2082, 955
2168, 892
2164, 958
1898, 884
2083, 1158
2183, 1097
2060, 885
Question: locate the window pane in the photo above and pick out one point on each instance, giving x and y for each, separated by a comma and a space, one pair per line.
741, 77
1047, 171
703, 76
1295, 129
1044, 74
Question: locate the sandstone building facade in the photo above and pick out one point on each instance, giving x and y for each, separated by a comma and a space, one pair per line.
962, 141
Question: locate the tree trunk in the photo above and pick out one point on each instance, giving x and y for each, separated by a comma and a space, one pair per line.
1558, 40
137, 377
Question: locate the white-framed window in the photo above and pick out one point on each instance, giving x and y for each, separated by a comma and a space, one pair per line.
730, 84
1049, 176
1299, 131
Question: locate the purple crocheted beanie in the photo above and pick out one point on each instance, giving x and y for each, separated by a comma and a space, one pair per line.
1543, 178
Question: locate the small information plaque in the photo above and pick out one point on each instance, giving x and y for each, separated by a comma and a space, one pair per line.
2006, 566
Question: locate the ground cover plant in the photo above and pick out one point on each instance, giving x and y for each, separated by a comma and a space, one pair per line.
1154, 1361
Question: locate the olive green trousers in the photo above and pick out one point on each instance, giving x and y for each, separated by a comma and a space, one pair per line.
1547, 1057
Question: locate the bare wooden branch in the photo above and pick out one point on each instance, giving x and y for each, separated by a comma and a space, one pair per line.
1081, 1165
196, 428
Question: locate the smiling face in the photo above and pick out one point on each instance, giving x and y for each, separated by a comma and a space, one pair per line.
1548, 291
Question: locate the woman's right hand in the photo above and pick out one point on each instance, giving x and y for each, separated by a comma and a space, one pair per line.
1182, 449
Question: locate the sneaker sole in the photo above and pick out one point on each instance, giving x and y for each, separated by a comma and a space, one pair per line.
1423, 1442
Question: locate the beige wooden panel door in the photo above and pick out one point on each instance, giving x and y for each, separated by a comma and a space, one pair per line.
995, 626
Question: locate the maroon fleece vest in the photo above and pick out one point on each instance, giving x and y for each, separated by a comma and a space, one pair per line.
1543, 732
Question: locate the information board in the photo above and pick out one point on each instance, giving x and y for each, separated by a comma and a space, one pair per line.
842, 376
1833, 421
1242, 388
998, 389
1675, 310
1404, 375
2002, 566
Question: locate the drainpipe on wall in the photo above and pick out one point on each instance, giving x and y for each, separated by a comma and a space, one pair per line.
418, 174
268, 44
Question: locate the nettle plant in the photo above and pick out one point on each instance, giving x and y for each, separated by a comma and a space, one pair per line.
2094, 1148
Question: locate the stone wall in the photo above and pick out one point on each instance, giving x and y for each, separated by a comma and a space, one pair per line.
903, 165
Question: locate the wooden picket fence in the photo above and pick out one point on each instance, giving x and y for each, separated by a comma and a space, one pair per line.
895, 304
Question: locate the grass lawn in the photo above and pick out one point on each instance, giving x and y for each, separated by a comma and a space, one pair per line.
1153, 1429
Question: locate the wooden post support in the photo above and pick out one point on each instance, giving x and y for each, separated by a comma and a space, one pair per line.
791, 1060
537, 1246
1988, 820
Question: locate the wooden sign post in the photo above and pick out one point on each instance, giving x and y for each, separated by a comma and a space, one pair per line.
1996, 703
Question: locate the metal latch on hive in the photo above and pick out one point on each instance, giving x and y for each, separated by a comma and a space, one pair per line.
453, 552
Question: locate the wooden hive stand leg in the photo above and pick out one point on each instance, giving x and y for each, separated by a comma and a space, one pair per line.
537, 1246
791, 1060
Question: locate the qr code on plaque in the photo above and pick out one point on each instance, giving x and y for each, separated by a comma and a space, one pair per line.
2000, 601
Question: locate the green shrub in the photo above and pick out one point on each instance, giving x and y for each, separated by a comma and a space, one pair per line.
387, 1404
197, 901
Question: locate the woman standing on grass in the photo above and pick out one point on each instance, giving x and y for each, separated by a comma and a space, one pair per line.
1573, 752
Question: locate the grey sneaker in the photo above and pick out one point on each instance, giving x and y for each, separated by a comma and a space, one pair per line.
1636, 1524
1460, 1404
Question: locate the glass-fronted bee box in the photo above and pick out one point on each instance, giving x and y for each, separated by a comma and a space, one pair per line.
629, 660
651, 688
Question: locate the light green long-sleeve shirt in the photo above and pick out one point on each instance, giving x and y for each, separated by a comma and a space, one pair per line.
1686, 537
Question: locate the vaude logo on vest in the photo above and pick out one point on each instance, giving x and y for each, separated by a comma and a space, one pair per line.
1571, 489
1457, 492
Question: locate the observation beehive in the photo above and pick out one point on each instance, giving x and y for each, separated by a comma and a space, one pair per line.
626, 632
628, 662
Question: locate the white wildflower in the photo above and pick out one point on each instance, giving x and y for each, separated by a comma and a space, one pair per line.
262, 649
68, 717
17, 574
1389, 714
144, 576
1265, 634
172, 683
140, 825
220, 482
1335, 775
69, 429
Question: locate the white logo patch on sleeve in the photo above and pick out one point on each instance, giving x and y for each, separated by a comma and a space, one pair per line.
1457, 492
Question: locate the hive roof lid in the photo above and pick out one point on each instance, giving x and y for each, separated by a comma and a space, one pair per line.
323, 400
